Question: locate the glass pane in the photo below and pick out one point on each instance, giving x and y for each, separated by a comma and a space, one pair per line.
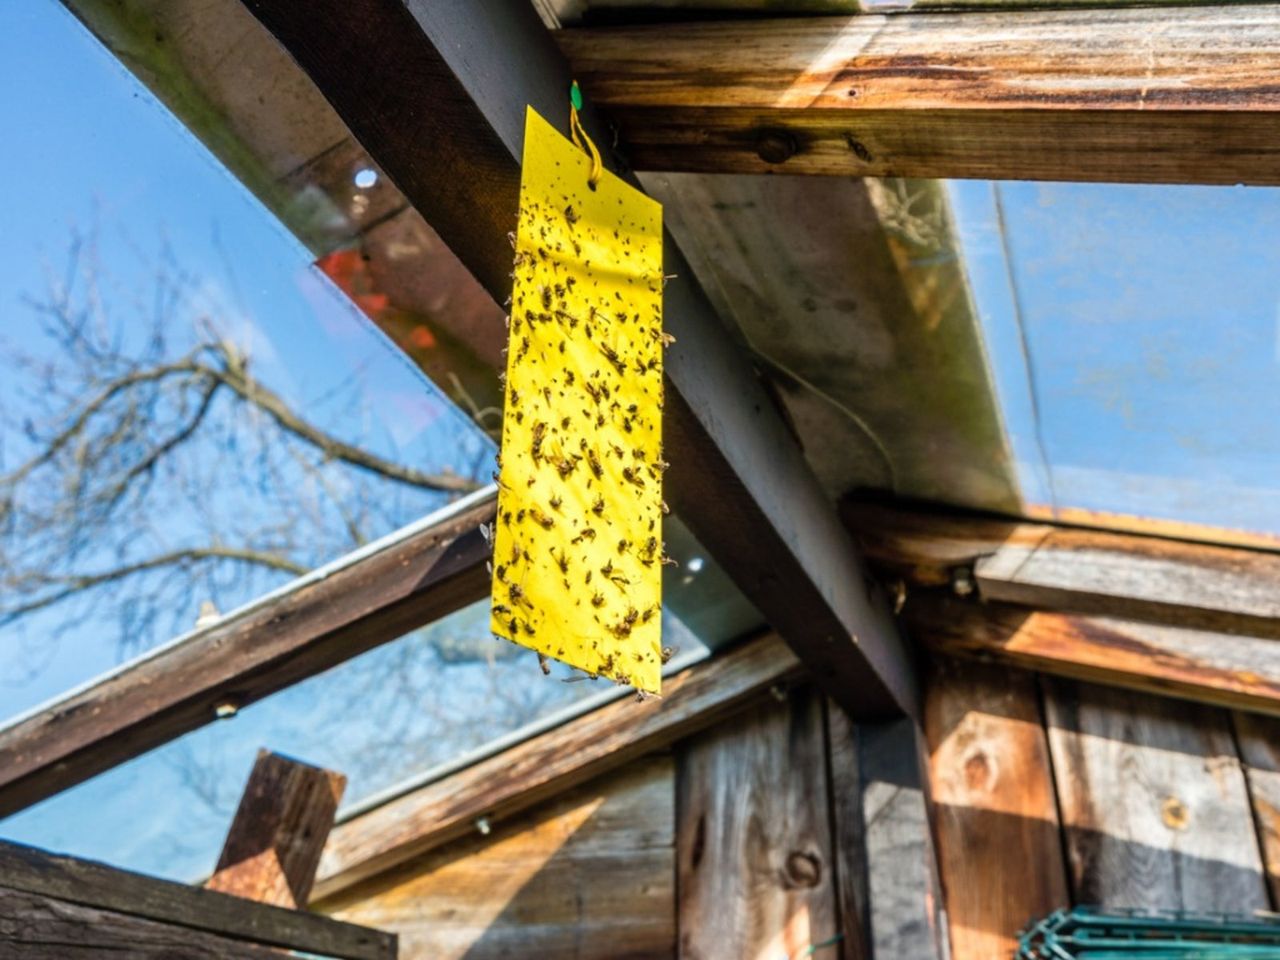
435, 697
191, 413
1134, 336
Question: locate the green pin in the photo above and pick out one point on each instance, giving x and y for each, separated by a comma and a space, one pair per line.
575, 95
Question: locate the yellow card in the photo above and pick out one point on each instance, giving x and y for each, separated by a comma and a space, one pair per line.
578, 542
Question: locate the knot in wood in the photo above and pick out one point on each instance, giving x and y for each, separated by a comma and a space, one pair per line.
1175, 814
802, 870
776, 146
978, 773
859, 148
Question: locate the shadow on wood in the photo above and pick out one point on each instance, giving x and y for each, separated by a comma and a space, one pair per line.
588, 875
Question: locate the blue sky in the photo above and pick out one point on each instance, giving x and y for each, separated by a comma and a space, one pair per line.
1134, 334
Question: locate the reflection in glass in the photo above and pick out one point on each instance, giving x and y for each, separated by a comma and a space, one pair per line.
191, 414
439, 696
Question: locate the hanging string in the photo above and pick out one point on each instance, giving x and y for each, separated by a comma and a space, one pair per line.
580, 138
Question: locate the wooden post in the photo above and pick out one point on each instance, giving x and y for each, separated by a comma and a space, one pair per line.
753, 842
848, 835
273, 847
999, 850
902, 872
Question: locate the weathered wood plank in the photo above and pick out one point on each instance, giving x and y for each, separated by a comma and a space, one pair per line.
1153, 802
754, 849
738, 478
294, 634
279, 831
1259, 741
1128, 95
1214, 668
35, 927
848, 835
544, 766
905, 899
896, 340
1162, 580
999, 849
93, 885
589, 875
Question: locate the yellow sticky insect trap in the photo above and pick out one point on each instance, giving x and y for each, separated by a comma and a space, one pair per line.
578, 553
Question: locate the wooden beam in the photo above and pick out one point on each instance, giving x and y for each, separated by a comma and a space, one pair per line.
848, 835
1214, 668
754, 856
279, 831
1128, 95
1174, 582
565, 757
436, 92
96, 887
906, 908
999, 849
33, 927
321, 620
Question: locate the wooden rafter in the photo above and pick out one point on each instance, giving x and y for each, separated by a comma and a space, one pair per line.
1182, 619
320, 621
1216, 668
1048, 567
436, 92
1152, 94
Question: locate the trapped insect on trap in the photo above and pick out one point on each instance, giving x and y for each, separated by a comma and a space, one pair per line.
578, 545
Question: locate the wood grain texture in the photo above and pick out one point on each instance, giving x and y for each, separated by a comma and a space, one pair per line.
1127, 95
34, 927
738, 478
999, 849
551, 763
903, 882
848, 835
1258, 739
1156, 579
896, 340
192, 909
330, 620
1214, 668
589, 875
754, 848
1153, 802
274, 844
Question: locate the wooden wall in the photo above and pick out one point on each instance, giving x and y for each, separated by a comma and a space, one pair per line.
788, 825
1050, 791
744, 841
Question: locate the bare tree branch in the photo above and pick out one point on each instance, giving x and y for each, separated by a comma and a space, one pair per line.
233, 375
70, 584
